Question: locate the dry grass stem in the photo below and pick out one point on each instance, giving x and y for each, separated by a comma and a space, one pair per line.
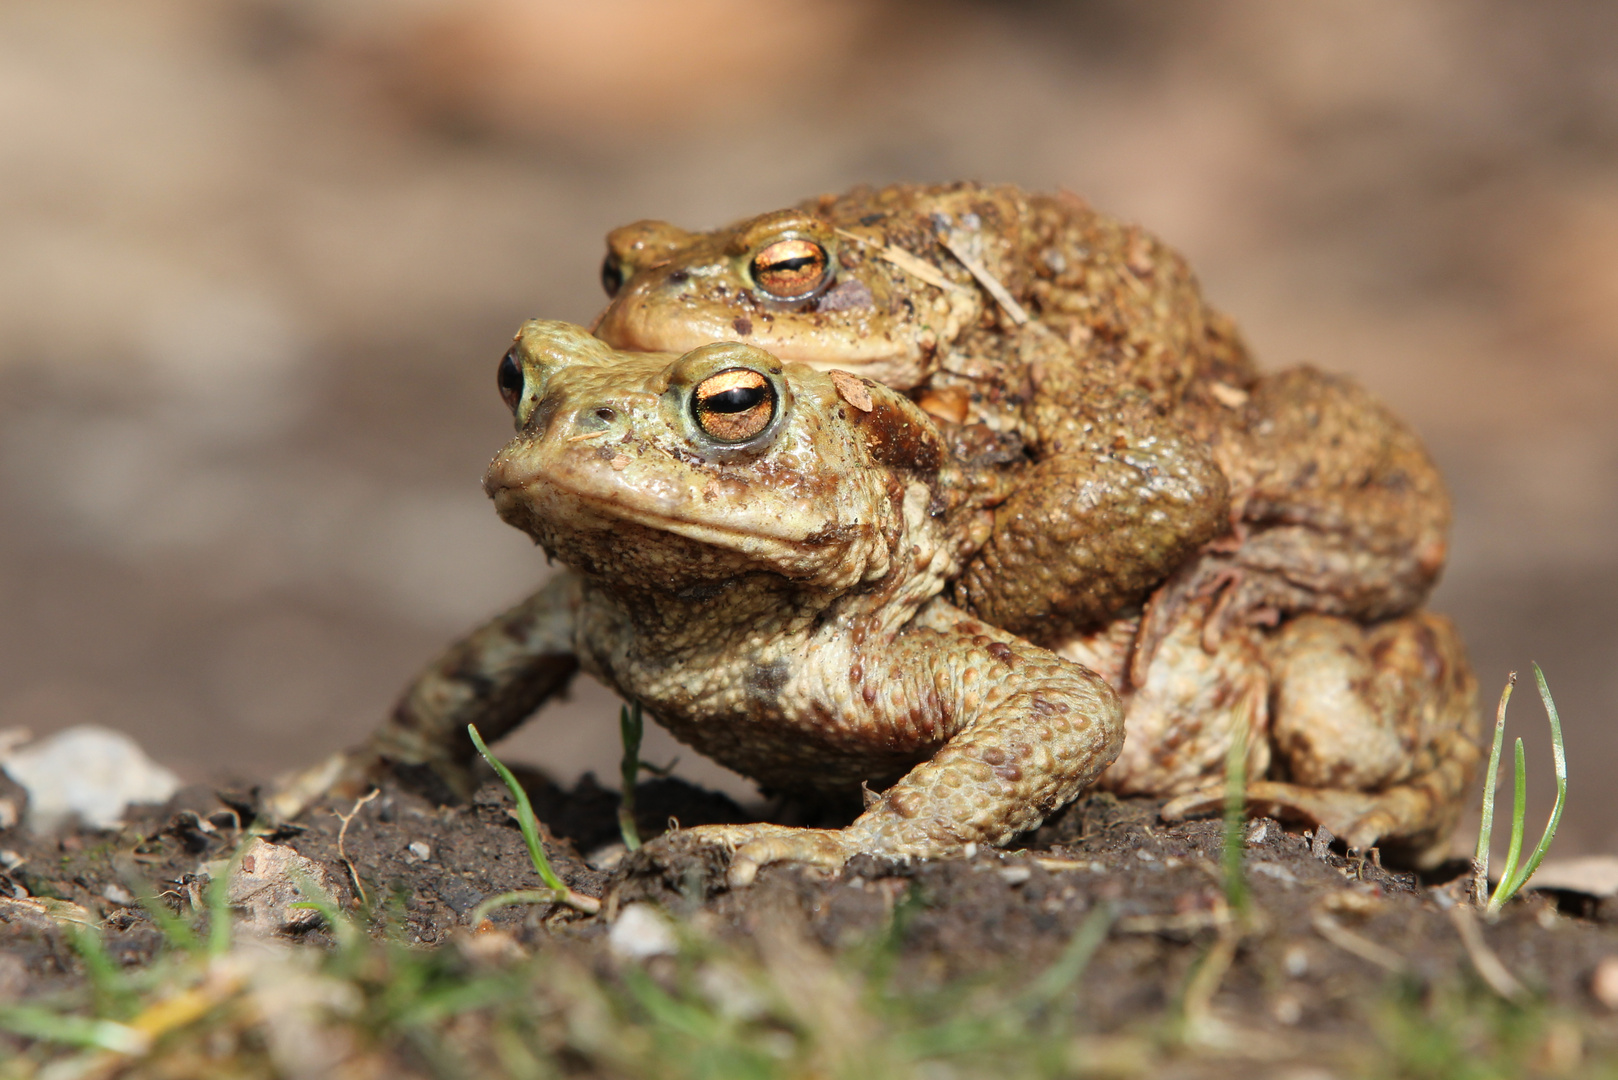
1484, 960
1341, 936
342, 834
989, 282
910, 264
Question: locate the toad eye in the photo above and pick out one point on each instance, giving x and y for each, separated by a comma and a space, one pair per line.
509, 379
734, 405
612, 275
790, 269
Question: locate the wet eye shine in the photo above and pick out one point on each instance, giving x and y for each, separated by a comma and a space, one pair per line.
612, 275
791, 269
509, 379
734, 405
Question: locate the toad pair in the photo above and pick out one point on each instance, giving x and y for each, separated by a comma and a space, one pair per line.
940, 491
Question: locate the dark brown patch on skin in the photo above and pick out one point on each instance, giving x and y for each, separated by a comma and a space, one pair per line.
539, 422
896, 438
1002, 652
742, 325
766, 680
831, 534
899, 804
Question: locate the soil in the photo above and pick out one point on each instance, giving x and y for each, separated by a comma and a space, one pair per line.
1329, 927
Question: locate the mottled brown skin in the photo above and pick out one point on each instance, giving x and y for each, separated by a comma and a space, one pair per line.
1330, 505
1340, 506
1120, 333
1234, 553
776, 603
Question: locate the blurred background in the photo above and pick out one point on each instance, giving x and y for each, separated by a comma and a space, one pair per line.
258, 261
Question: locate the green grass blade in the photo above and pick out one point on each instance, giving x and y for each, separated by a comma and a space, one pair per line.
525, 816
1235, 845
36, 1023
344, 930
509, 899
175, 929
1559, 757
1069, 966
111, 988
633, 727
220, 923
1480, 862
1519, 811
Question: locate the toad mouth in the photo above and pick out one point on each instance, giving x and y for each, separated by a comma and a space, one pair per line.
613, 506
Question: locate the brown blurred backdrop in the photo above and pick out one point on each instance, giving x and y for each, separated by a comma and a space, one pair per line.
258, 260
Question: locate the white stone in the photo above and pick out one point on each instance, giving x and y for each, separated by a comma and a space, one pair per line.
641, 932
88, 772
1604, 983
269, 879
1274, 870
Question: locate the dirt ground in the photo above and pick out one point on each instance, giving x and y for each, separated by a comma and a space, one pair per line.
1337, 947
260, 260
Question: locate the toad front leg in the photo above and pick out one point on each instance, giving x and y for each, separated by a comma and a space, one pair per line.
1119, 499
1019, 732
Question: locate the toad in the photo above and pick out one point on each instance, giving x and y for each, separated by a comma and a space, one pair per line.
756, 552
1016, 319
1022, 322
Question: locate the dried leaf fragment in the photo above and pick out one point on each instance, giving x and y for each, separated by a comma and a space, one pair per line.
852, 389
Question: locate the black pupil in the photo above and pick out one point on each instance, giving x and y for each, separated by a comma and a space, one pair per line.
737, 399
797, 262
509, 378
612, 275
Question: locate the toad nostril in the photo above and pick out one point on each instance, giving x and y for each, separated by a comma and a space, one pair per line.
606, 415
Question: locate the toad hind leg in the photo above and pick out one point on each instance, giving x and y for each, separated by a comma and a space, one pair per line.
495, 677
1025, 732
1374, 727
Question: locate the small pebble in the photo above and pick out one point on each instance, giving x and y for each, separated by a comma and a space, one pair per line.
1015, 875
1286, 1009
641, 932
86, 772
9, 859
420, 850
1274, 870
607, 857
1604, 983
1257, 833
